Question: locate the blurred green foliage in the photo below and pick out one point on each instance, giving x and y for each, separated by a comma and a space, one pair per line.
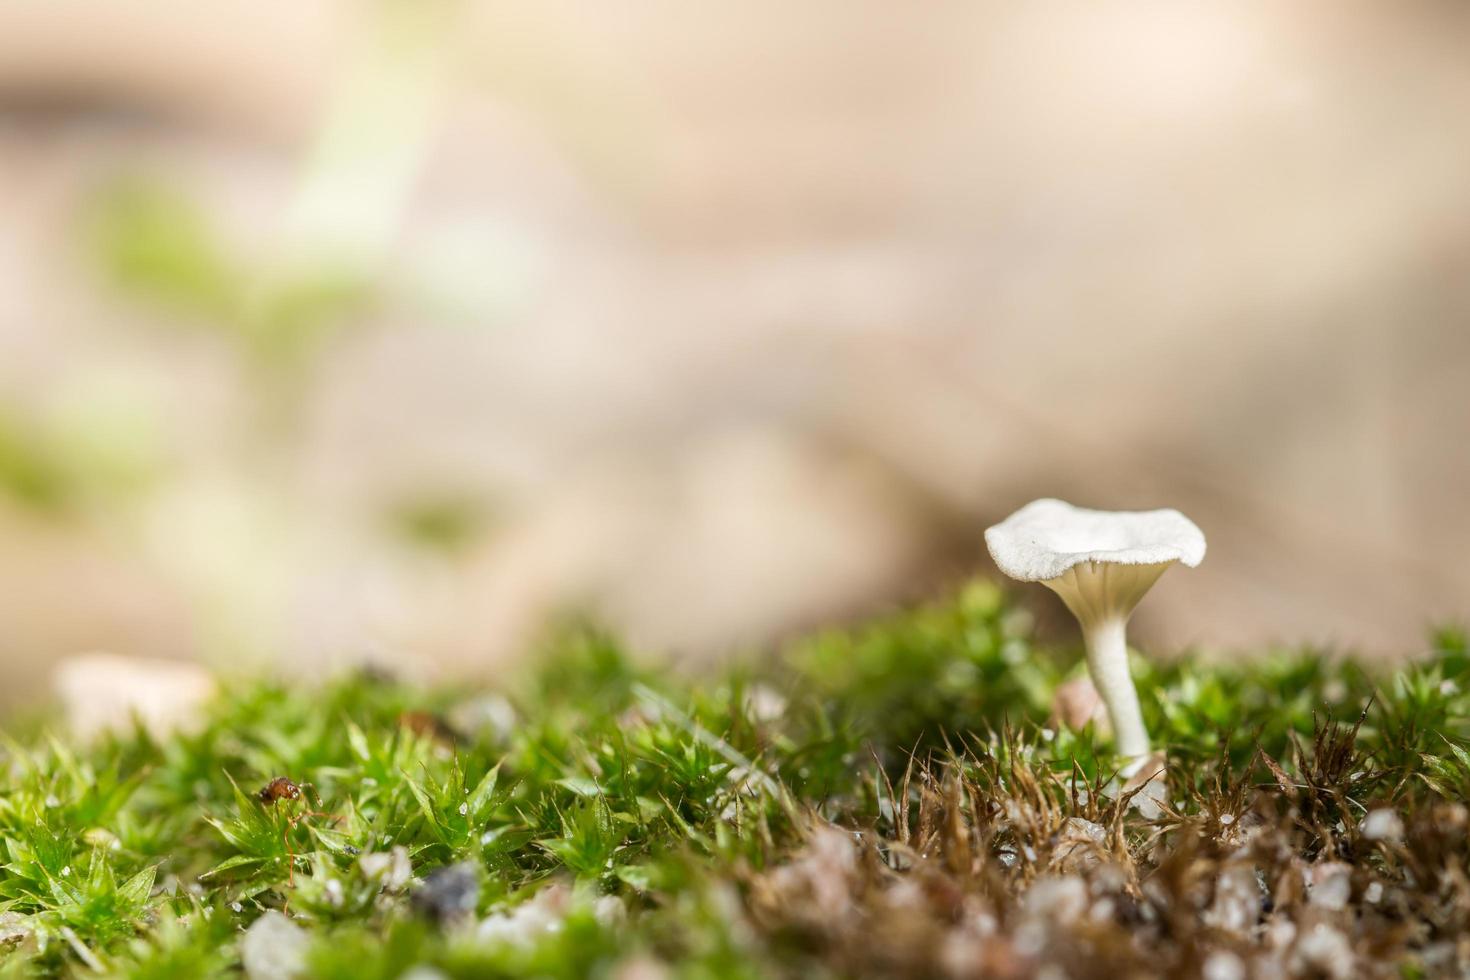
155, 245
438, 522
30, 470
82, 450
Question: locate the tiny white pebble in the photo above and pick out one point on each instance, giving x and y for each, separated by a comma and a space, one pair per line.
464, 808
274, 948
1223, 966
1331, 886
422, 972
1226, 819
1373, 893
1385, 825
1325, 949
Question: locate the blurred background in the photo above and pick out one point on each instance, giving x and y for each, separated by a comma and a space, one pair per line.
387, 330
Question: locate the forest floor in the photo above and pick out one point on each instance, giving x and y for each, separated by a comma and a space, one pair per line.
894, 799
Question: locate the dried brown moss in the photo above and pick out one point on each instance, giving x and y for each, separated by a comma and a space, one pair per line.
982, 867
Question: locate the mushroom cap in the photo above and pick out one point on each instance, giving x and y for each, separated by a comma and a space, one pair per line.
1042, 540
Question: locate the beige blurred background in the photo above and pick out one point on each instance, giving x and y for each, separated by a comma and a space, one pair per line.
387, 330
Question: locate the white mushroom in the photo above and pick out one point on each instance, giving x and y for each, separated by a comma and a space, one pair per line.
1101, 563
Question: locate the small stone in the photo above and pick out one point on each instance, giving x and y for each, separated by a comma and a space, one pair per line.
1325, 950
1077, 828
274, 948
963, 955
609, 911
1076, 702
764, 703
101, 837
1223, 965
16, 931
392, 869
641, 967
104, 692
1280, 932
906, 894
1450, 817
821, 880
1384, 825
1146, 779
489, 714
1439, 958
1331, 886
1236, 907
1080, 844
529, 922
422, 972
1061, 901
449, 895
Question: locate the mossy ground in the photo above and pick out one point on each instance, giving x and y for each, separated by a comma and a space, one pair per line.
885, 800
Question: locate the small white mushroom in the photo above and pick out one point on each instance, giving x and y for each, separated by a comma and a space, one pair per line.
1101, 563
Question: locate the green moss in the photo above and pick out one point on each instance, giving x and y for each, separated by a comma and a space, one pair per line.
659, 810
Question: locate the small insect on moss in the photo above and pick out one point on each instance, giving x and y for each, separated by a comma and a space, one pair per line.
280, 788
284, 788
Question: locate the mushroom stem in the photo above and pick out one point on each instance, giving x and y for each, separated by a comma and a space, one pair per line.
1107, 662
1102, 596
